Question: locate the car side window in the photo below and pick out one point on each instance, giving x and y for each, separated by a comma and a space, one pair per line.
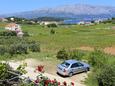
74, 65
80, 64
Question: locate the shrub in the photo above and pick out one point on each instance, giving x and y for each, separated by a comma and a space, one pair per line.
21, 68
18, 49
34, 47
12, 50
52, 25
21, 49
106, 77
8, 75
76, 54
26, 34
97, 58
2, 50
13, 45
62, 54
8, 33
52, 31
3, 71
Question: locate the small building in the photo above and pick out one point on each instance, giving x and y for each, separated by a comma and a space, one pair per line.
98, 21
33, 22
12, 19
88, 23
48, 22
81, 23
12, 27
16, 28
3, 20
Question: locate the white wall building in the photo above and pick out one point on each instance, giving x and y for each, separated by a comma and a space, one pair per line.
81, 23
12, 27
48, 22
16, 28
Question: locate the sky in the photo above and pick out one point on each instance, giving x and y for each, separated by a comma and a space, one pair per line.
12, 6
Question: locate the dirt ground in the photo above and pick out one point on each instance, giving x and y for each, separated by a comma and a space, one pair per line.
108, 50
50, 71
50, 68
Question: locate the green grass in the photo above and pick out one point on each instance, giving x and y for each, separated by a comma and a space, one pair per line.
72, 36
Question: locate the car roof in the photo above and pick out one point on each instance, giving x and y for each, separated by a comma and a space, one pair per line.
71, 61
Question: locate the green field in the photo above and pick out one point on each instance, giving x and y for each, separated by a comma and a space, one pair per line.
72, 36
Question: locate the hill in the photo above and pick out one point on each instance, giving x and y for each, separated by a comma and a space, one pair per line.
69, 11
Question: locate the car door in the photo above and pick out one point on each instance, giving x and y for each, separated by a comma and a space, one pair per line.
75, 68
81, 67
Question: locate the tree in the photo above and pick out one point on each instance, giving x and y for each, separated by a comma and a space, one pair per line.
62, 54
52, 25
107, 76
97, 58
52, 31
34, 46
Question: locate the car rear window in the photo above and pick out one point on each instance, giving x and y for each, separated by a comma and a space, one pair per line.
65, 64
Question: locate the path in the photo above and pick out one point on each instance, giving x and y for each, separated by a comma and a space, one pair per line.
33, 74
108, 50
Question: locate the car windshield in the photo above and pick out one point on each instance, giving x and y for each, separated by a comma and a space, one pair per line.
65, 64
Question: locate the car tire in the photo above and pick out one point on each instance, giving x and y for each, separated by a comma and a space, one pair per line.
70, 74
87, 69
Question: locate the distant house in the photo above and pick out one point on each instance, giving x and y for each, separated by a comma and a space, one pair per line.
12, 19
98, 21
48, 22
88, 23
33, 22
81, 23
14, 27
3, 20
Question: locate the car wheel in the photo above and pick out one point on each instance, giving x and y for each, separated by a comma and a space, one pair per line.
87, 69
70, 74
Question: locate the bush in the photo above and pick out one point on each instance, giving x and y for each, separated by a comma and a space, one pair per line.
107, 76
52, 25
97, 58
34, 47
21, 49
52, 31
3, 71
18, 49
76, 54
26, 34
62, 54
2, 50
14, 45
8, 33
10, 77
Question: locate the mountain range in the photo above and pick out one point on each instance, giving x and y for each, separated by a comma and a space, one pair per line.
69, 11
